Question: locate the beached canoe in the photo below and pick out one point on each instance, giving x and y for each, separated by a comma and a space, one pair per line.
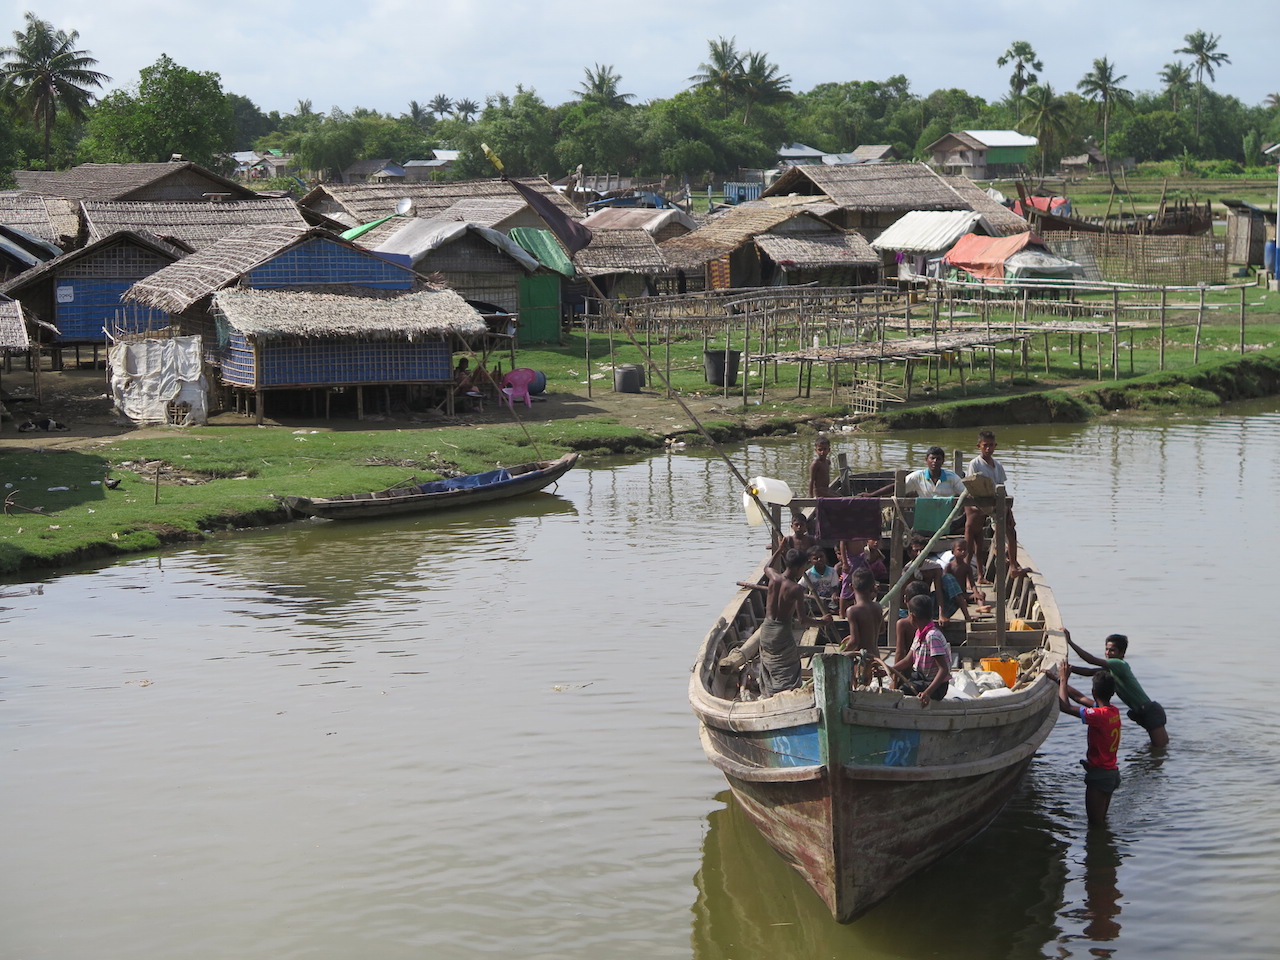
448, 494
858, 788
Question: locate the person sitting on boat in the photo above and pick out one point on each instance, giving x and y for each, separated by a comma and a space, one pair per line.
926, 669
784, 605
1143, 711
903, 632
975, 518
947, 590
934, 480
824, 578
865, 619
1101, 771
960, 566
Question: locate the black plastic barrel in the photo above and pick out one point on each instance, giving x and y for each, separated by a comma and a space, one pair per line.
714, 365
626, 378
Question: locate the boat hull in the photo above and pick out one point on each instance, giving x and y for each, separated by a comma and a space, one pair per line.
397, 501
860, 789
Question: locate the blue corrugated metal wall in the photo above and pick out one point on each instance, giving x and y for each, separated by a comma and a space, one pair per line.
93, 304
323, 363
321, 262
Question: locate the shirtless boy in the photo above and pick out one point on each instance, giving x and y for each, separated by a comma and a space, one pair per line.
779, 654
865, 618
961, 567
820, 469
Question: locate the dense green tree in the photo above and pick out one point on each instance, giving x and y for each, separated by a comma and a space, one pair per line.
248, 123
521, 131
600, 86
602, 139
43, 73
1102, 86
1025, 63
1158, 135
172, 110
1203, 50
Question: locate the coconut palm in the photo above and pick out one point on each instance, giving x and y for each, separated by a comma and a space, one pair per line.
1176, 78
43, 71
722, 71
1202, 48
1102, 86
762, 83
1271, 101
1025, 63
439, 105
464, 110
601, 86
418, 115
1047, 118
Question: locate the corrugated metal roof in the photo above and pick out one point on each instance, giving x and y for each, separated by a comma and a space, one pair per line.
1002, 138
544, 245
417, 238
926, 231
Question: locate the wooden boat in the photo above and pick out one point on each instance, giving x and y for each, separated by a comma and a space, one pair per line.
859, 788
1182, 218
438, 494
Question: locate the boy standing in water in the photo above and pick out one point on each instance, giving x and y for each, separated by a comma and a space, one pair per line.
1101, 769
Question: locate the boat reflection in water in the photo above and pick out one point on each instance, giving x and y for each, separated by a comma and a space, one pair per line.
998, 896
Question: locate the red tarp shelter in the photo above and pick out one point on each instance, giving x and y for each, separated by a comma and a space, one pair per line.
986, 256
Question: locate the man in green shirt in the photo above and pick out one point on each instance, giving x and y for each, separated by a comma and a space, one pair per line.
1143, 711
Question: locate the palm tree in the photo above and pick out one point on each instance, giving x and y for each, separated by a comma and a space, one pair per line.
43, 71
1046, 119
440, 105
1271, 101
762, 83
722, 70
418, 115
464, 110
1176, 78
1025, 62
1202, 48
1102, 85
601, 86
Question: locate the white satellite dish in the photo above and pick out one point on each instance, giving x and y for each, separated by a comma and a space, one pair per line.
404, 207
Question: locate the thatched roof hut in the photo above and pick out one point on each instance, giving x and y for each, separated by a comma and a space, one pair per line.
52, 219
358, 203
157, 182
661, 224
356, 312
622, 262
80, 292
13, 326
723, 234
1002, 221
196, 224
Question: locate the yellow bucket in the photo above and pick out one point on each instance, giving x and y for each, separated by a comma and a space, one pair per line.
1008, 669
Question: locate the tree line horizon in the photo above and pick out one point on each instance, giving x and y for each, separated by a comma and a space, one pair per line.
736, 110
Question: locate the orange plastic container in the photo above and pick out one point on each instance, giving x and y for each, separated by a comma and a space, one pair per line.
1008, 669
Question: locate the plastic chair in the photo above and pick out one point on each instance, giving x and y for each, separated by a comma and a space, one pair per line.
515, 386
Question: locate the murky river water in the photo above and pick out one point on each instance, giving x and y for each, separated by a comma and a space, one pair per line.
468, 735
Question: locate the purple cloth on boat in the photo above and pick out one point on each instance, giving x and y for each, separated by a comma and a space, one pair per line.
847, 518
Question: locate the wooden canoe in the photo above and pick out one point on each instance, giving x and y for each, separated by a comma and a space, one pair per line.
438, 494
859, 788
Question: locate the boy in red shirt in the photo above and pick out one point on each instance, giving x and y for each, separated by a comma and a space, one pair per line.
1101, 771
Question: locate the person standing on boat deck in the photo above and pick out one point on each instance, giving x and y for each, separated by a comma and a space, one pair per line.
975, 518
1143, 711
927, 665
820, 469
1101, 769
934, 480
784, 604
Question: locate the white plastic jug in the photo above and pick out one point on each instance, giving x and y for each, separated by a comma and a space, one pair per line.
755, 516
771, 490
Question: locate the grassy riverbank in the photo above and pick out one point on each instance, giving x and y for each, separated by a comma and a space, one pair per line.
229, 475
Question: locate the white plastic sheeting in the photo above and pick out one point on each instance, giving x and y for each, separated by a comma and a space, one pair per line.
159, 381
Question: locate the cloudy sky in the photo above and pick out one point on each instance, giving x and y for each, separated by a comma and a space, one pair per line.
381, 54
